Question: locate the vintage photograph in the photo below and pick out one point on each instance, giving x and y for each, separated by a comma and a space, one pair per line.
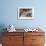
25, 13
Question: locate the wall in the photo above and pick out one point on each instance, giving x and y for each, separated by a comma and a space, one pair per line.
8, 13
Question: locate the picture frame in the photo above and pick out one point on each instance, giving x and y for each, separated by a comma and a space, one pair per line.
25, 13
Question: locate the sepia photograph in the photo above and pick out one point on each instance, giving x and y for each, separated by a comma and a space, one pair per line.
25, 13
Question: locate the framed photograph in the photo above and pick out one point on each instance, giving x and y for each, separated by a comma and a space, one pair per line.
25, 13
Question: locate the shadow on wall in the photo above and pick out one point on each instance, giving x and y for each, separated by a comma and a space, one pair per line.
2, 26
